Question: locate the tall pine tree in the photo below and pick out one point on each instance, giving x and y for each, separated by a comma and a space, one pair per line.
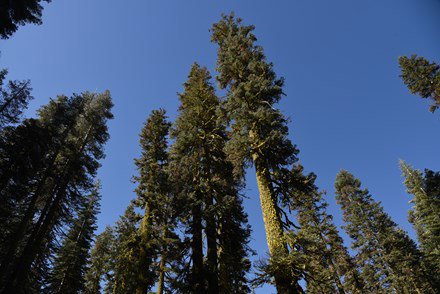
259, 131
425, 214
388, 259
68, 274
77, 133
207, 191
100, 262
155, 198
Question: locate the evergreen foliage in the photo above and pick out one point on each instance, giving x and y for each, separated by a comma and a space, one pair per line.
422, 77
328, 266
125, 254
155, 198
100, 262
14, 98
71, 259
19, 12
259, 131
207, 192
388, 259
425, 214
74, 132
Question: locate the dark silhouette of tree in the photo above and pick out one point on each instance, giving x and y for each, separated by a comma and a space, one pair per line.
14, 99
19, 12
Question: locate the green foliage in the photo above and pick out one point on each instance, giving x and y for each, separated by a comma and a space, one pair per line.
19, 12
125, 254
253, 89
422, 77
207, 192
258, 131
14, 98
71, 259
75, 132
100, 262
328, 266
155, 198
387, 258
425, 214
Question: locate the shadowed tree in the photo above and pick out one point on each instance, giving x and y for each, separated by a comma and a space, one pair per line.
422, 78
19, 12
77, 131
14, 99
71, 259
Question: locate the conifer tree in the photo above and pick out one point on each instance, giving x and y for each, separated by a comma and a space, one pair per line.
207, 190
388, 259
422, 77
425, 214
328, 266
19, 12
14, 98
259, 131
71, 259
125, 254
155, 198
100, 257
77, 132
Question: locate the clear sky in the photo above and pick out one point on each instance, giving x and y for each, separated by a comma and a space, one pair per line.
348, 106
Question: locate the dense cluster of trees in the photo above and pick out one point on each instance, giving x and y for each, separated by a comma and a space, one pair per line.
186, 231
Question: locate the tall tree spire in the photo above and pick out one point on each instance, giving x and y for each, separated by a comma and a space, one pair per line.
259, 131
425, 214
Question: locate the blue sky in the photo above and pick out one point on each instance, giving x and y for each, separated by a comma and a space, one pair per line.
348, 106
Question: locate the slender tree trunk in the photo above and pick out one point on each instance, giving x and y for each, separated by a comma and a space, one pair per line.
212, 266
198, 275
143, 255
161, 282
272, 223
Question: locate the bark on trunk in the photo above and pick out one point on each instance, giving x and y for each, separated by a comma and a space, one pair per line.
272, 223
198, 275
211, 235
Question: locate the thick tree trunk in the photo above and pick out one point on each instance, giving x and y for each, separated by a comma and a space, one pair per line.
198, 275
212, 266
272, 223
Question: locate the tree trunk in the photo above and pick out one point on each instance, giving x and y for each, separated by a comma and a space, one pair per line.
143, 254
161, 282
198, 275
212, 266
272, 223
